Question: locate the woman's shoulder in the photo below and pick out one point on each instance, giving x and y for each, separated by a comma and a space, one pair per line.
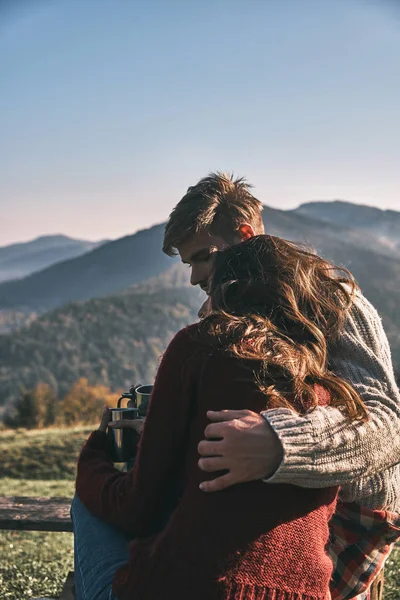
189, 341
186, 335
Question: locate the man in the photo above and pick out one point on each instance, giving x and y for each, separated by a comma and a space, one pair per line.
319, 449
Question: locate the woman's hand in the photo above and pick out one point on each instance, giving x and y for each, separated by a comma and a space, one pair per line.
135, 424
105, 419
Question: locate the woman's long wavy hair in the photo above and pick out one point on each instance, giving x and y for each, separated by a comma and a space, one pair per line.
280, 305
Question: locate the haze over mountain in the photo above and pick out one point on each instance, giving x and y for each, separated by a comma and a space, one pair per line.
110, 268
384, 225
19, 260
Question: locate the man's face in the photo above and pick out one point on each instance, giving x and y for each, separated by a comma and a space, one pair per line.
198, 253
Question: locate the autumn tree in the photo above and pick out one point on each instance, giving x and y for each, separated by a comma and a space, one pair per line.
84, 403
34, 408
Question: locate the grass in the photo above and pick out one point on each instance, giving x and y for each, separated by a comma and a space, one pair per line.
45, 454
34, 563
37, 463
36, 487
42, 463
392, 575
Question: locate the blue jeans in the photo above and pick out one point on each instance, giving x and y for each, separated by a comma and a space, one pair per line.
99, 550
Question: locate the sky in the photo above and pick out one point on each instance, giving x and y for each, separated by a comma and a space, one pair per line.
110, 109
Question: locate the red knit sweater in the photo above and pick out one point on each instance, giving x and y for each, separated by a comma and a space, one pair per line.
253, 541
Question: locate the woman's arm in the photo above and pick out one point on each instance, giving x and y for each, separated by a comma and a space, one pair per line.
131, 501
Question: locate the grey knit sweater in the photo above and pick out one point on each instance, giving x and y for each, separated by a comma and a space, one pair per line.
323, 448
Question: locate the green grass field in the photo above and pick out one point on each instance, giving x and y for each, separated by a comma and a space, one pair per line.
42, 463
33, 563
37, 463
41, 454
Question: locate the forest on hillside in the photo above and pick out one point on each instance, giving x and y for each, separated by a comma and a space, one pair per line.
115, 342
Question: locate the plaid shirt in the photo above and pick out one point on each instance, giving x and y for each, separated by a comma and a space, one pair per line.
361, 540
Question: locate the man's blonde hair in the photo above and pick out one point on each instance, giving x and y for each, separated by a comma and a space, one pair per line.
218, 204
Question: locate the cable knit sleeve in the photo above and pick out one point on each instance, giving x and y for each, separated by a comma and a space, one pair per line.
323, 448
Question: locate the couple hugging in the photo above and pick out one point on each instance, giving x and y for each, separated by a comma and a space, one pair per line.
268, 467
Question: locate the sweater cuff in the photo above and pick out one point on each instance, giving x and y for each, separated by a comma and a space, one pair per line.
97, 440
296, 436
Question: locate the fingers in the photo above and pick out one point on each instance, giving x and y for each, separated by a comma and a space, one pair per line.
220, 419
218, 484
136, 424
216, 430
105, 419
122, 424
227, 415
213, 463
207, 448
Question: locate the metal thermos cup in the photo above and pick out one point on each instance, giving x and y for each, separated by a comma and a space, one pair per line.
123, 442
143, 393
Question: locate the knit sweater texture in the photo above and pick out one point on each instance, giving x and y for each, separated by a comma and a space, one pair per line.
252, 541
323, 448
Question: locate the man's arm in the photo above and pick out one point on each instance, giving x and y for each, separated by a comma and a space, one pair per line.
323, 448
340, 451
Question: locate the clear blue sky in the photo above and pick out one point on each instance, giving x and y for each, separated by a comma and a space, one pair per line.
110, 109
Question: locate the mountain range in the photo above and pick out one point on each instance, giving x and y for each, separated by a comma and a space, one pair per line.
107, 269
109, 313
19, 260
115, 265
383, 225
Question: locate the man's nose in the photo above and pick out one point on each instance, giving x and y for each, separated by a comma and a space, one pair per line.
195, 276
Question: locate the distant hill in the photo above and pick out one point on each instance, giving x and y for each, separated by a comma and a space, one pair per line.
19, 260
116, 341
378, 273
384, 225
108, 269
116, 265
13, 319
137, 260
175, 277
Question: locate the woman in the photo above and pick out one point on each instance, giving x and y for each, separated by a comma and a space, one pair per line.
264, 344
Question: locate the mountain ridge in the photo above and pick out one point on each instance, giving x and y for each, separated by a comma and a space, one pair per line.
116, 339
99, 272
384, 224
24, 258
131, 259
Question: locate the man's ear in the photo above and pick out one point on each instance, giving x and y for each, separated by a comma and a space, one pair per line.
246, 232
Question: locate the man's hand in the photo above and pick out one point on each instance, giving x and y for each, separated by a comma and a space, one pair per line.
241, 442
